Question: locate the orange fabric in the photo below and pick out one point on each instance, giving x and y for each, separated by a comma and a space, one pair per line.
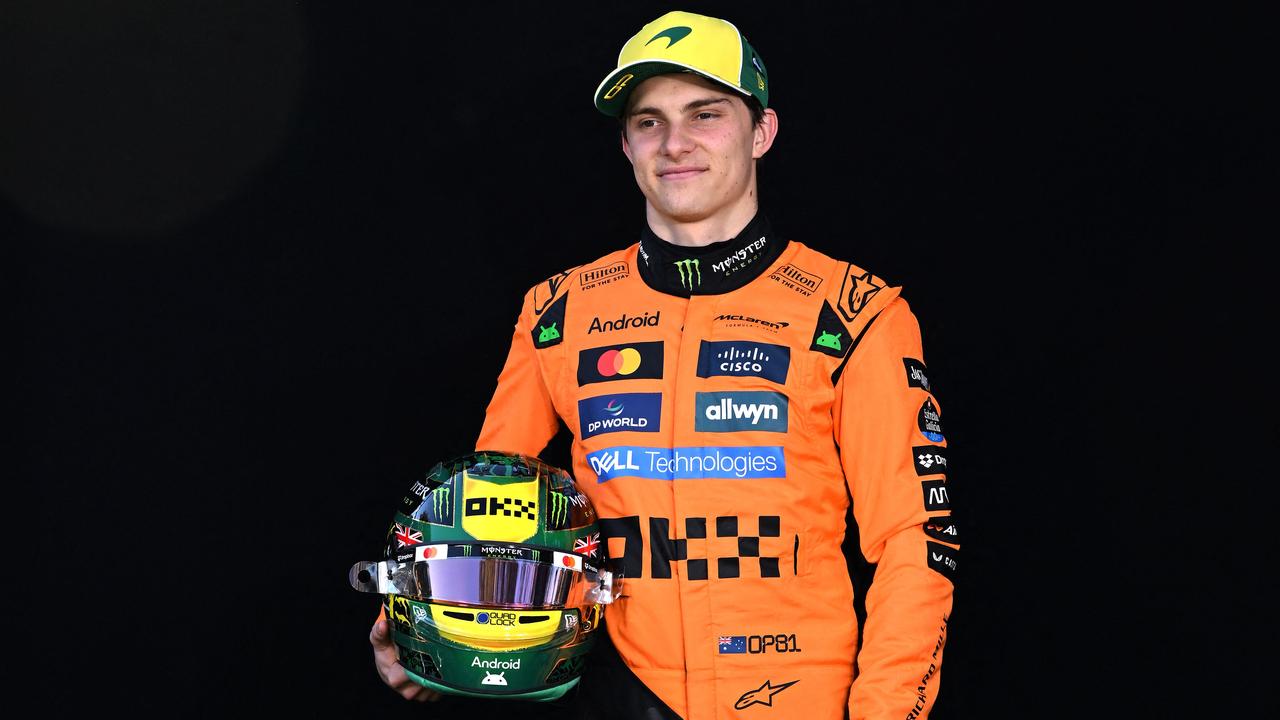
754, 562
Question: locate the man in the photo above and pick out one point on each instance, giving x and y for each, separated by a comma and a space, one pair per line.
730, 393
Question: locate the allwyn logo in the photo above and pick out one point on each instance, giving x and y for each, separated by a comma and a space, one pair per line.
738, 411
690, 273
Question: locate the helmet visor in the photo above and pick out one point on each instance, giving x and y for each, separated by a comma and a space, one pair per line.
489, 575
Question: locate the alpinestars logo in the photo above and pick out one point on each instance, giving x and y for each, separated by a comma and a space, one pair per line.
690, 273
762, 695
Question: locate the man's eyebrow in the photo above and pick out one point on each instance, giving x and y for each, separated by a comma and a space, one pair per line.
694, 105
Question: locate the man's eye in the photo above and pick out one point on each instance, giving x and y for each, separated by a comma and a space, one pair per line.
646, 123
706, 115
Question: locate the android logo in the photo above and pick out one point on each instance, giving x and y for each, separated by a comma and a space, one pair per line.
491, 679
827, 340
547, 334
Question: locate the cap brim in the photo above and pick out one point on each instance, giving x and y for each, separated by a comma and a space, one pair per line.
640, 71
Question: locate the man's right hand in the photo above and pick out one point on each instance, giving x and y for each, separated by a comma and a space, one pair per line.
387, 661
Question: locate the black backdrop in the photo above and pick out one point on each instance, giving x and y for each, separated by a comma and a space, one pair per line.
265, 258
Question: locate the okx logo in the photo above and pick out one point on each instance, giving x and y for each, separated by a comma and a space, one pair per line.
500, 512
637, 412
632, 361
690, 273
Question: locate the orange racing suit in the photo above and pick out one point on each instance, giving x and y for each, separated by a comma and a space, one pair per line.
721, 435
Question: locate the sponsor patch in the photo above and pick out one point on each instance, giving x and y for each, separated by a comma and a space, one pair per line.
631, 361
544, 292
942, 528
634, 412
929, 459
598, 276
762, 695
916, 376
434, 506
548, 328
738, 411
793, 278
943, 559
935, 495
747, 321
688, 463
830, 336
758, 644
741, 358
500, 512
930, 421
624, 321
856, 291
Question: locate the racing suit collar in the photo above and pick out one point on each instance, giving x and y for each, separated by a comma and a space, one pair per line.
710, 269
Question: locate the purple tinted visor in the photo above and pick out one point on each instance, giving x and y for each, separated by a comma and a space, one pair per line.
560, 580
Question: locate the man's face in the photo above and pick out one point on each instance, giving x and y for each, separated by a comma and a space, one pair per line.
692, 146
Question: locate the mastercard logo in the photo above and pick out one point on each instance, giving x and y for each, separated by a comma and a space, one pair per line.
629, 361
618, 362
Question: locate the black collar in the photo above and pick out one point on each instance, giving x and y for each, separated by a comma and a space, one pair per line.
710, 269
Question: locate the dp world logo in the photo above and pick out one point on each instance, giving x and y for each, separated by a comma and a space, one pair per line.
637, 412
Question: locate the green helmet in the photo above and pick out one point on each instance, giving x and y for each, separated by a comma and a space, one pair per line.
493, 578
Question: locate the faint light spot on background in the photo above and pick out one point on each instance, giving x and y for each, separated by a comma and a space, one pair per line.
136, 120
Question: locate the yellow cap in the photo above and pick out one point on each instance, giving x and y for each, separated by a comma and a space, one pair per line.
685, 42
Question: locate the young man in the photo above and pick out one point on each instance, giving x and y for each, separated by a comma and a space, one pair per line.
730, 393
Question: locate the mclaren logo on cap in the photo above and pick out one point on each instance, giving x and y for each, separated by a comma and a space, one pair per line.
672, 34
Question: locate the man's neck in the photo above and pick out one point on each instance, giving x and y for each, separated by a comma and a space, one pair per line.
699, 233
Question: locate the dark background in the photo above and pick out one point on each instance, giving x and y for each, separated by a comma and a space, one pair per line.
265, 259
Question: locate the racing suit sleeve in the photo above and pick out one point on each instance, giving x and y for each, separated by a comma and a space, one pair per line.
520, 417
877, 424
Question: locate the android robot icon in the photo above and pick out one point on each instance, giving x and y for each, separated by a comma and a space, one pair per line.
491, 679
827, 340
547, 334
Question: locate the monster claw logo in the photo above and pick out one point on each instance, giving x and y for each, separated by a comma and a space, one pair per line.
762, 695
690, 273
672, 34
547, 334
558, 512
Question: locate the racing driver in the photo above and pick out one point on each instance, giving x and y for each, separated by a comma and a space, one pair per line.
731, 395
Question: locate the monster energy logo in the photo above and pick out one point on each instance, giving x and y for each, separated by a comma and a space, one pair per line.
559, 509
441, 501
690, 273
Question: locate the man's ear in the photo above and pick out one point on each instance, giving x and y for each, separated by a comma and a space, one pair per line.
765, 131
626, 147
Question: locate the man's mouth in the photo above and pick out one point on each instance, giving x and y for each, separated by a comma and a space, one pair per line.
680, 172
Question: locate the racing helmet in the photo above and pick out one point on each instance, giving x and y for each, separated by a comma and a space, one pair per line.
493, 578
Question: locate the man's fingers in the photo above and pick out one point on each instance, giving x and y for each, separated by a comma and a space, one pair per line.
387, 661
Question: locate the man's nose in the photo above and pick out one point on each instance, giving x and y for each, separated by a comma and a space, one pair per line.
676, 142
